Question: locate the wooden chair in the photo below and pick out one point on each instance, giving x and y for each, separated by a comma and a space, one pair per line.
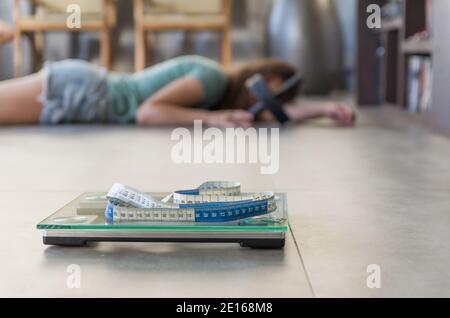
194, 15
51, 15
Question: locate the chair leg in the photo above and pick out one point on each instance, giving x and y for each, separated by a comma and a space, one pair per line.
139, 35
105, 48
226, 48
38, 47
74, 45
18, 54
139, 53
187, 46
150, 53
114, 45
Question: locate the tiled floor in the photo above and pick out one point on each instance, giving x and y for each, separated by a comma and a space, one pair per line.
376, 194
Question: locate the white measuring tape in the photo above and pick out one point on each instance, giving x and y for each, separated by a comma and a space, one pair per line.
213, 201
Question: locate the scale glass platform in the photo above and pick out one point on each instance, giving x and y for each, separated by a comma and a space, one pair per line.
83, 220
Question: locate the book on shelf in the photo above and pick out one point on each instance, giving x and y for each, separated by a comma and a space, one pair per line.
419, 84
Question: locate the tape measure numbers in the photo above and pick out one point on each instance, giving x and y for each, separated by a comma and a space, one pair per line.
213, 201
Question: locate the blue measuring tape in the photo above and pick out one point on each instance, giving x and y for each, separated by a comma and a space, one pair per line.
214, 201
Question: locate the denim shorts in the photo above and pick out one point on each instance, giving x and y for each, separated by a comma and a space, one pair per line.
74, 92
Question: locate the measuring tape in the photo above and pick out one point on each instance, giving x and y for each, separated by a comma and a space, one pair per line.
213, 201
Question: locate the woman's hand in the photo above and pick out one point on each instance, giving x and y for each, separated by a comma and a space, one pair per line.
230, 119
341, 113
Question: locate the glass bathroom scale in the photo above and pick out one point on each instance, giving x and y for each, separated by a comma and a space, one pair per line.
83, 220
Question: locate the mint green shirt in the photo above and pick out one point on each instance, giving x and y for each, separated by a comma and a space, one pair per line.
127, 91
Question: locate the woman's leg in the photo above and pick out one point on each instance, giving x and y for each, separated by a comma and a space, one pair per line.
19, 102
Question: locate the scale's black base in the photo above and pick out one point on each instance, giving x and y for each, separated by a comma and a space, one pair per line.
271, 241
255, 244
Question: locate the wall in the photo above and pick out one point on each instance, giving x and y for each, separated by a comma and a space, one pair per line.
347, 11
440, 112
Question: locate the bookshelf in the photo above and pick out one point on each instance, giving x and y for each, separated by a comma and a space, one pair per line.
423, 47
383, 57
389, 49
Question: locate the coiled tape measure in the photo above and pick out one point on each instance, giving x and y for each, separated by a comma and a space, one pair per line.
213, 201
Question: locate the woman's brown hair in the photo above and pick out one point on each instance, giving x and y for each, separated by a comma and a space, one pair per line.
237, 95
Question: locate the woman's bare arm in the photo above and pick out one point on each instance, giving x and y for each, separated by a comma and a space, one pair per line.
302, 110
174, 105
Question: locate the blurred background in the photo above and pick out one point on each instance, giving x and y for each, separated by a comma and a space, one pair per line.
329, 41
259, 28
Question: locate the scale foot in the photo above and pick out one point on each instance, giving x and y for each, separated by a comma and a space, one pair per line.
64, 241
264, 244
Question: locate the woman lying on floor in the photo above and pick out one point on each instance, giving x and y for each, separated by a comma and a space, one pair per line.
177, 91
